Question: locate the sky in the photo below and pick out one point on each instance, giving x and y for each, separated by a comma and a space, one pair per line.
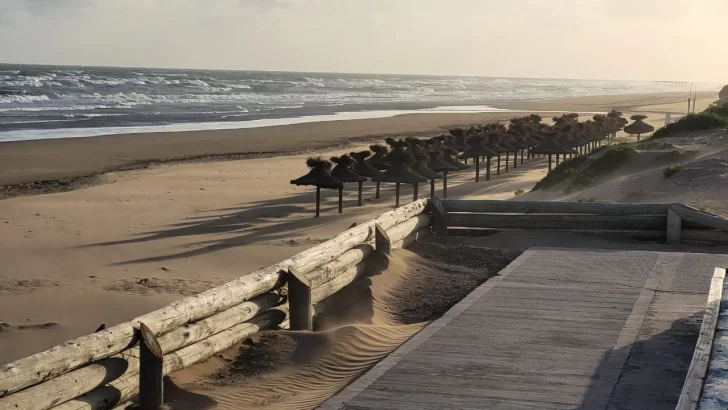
601, 39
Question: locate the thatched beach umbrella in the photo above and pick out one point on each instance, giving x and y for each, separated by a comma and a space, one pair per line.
320, 177
638, 126
437, 164
478, 150
399, 171
343, 172
362, 167
421, 166
377, 160
551, 146
492, 142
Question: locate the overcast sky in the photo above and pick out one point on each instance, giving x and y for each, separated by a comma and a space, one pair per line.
610, 39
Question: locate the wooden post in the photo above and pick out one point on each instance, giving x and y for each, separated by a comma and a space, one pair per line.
557, 159
396, 201
497, 170
377, 195
439, 217
477, 169
508, 160
674, 227
444, 184
549, 162
341, 200
361, 193
151, 371
515, 158
432, 188
487, 169
299, 301
318, 201
416, 189
382, 244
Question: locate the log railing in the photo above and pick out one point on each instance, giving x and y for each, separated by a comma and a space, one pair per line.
102, 370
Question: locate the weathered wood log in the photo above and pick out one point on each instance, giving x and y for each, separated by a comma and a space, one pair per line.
75, 383
693, 386
126, 386
439, 216
338, 266
700, 218
151, 371
517, 207
336, 284
300, 313
558, 222
411, 238
403, 230
77, 352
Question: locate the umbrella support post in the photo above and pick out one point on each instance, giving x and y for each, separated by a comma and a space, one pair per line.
522, 151
497, 167
557, 159
477, 169
341, 200
515, 159
487, 168
549, 162
444, 184
466, 161
318, 201
508, 160
417, 188
361, 188
376, 196
396, 201
432, 188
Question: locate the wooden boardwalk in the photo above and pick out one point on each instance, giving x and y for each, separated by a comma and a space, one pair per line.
558, 329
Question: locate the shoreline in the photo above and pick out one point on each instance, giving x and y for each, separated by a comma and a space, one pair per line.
63, 164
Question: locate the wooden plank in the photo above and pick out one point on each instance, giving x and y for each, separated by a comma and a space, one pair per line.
299, 301
439, 216
151, 372
674, 227
701, 218
557, 222
693, 386
494, 206
382, 244
70, 355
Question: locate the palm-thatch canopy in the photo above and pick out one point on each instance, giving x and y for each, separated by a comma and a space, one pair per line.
638, 117
421, 166
450, 156
477, 149
377, 160
458, 139
551, 145
437, 164
343, 172
361, 166
638, 127
400, 162
319, 175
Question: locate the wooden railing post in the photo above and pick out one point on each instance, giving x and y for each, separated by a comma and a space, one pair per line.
674, 226
382, 244
439, 217
299, 301
151, 371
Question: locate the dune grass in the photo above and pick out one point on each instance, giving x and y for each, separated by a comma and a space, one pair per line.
714, 117
671, 170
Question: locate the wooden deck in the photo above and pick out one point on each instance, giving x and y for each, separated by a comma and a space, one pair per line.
558, 329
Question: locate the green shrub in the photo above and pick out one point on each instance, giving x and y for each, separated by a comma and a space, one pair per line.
561, 172
671, 170
692, 122
519, 192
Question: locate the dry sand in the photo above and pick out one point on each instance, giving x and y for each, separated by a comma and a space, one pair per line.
137, 240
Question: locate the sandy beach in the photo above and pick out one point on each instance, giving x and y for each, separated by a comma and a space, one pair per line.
134, 240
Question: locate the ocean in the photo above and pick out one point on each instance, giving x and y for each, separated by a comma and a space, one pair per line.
38, 102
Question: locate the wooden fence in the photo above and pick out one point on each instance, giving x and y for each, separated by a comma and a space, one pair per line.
103, 369
671, 223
